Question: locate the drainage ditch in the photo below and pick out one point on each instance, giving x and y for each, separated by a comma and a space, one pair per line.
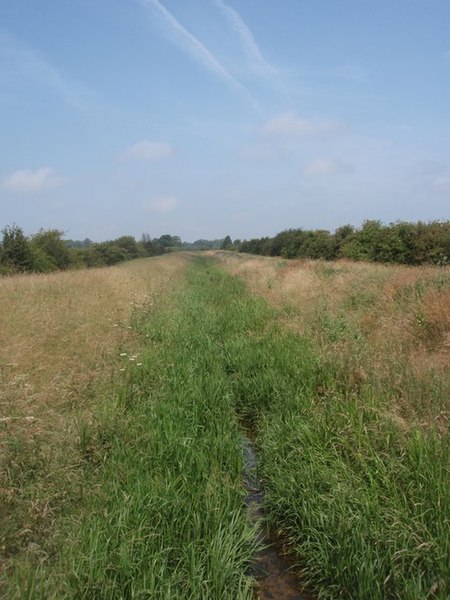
273, 568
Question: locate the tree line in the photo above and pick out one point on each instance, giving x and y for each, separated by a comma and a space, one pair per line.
46, 250
400, 242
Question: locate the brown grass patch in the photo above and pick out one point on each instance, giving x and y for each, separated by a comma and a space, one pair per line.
387, 327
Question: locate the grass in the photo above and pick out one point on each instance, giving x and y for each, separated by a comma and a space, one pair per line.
353, 442
166, 518
352, 428
387, 327
61, 336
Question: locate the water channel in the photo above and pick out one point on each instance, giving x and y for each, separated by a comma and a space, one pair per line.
273, 568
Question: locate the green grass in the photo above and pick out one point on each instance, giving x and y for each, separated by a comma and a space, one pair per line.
167, 519
364, 504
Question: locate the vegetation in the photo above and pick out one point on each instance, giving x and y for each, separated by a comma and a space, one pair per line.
354, 421
61, 339
343, 375
150, 501
203, 245
404, 243
46, 251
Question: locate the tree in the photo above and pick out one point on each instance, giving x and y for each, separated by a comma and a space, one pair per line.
128, 244
51, 252
16, 253
78, 243
320, 244
169, 241
150, 247
226, 244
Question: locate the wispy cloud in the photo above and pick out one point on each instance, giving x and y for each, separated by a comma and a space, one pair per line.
27, 63
289, 124
193, 47
160, 204
29, 181
147, 150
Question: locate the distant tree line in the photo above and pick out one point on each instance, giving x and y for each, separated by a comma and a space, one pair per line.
47, 251
203, 245
400, 242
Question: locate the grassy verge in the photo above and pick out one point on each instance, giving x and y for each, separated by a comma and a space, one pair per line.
363, 501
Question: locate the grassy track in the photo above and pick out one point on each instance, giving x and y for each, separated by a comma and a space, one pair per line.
364, 503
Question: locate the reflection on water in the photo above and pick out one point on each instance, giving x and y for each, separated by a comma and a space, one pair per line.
272, 569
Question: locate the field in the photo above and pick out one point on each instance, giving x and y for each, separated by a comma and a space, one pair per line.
123, 392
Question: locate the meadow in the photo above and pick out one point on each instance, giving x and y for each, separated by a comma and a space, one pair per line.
123, 393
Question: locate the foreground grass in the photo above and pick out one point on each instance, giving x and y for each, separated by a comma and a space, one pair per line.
160, 509
364, 502
166, 520
362, 499
61, 336
352, 422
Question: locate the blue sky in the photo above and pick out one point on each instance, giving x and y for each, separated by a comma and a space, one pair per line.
203, 118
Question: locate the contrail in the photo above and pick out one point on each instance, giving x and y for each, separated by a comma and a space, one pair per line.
247, 38
255, 57
194, 47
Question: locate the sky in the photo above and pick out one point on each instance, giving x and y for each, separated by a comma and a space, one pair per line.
207, 118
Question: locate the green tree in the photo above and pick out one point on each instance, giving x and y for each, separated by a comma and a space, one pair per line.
169, 241
226, 244
50, 250
151, 247
129, 245
16, 255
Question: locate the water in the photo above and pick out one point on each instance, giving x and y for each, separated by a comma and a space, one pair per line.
272, 568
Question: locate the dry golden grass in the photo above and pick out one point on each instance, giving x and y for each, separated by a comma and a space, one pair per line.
58, 332
383, 326
61, 336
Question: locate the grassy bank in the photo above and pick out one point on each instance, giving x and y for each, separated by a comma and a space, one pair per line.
362, 498
160, 503
61, 337
352, 421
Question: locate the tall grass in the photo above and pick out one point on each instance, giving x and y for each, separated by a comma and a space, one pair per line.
363, 502
387, 327
360, 497
61, 336
358, 484
161, 511
166, 519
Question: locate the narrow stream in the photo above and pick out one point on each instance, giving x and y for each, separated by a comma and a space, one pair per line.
272, 569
